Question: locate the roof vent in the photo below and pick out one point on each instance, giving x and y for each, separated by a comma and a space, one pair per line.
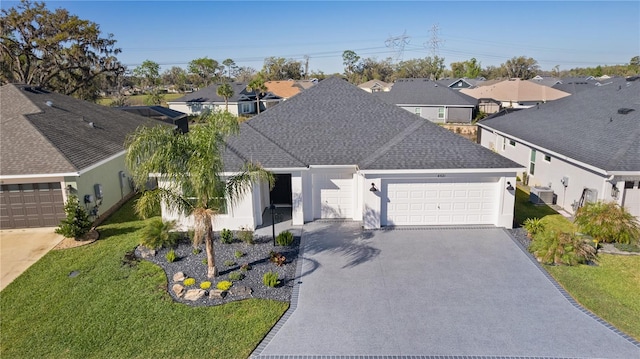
49, 103
624, 110
91, 124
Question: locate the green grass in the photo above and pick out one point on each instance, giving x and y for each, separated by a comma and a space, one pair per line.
138, 100
610, 290
525, 209
115, 311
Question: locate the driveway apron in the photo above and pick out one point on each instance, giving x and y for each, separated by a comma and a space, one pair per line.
431, 292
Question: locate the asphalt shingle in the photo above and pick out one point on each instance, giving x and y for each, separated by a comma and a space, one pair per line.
336, 123
585, 126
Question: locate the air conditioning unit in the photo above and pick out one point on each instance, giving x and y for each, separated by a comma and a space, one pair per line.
541, 195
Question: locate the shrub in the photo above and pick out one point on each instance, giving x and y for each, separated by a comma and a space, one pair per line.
270, 279
77, 222
189, 281
236, 276
157, 234
229, 263
170, 256
196, 251
204, 261
205, 285
533, 226
245, 267
224, 285
277, 258
245, 235
562, 248
284, 238
226, 236
608, 222
239, 254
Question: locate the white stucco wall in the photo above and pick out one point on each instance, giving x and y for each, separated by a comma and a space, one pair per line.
197, 108
550, 173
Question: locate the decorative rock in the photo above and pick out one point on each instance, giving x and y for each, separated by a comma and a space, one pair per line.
178, 290
194, 294
146, 252
178, 277
240, 291
217, 293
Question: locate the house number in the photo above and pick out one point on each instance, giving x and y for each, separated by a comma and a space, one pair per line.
441, 175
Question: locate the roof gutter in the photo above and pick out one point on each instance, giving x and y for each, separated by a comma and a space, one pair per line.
443, 170
39, 175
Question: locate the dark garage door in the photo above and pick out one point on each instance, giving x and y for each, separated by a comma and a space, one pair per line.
31, 205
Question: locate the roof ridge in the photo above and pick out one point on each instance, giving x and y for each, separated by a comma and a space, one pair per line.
392, 142
248, 123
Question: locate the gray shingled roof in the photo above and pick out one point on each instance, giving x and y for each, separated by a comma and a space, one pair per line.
36, 138
336, 123
585, 126
209, 94
421, 91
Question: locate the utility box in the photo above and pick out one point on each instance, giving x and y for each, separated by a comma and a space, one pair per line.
541, 195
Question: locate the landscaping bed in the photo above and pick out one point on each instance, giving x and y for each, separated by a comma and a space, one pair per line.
193, 264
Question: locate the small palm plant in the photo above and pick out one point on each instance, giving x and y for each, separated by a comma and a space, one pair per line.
533, 226
608, 222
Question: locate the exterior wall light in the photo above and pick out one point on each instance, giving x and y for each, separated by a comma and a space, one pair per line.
509, 186
373, 188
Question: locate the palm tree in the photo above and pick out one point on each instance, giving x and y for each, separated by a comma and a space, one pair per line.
192, 164
257, 85
225, 91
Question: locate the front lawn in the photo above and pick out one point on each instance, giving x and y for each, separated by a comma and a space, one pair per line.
610, 290
110, 310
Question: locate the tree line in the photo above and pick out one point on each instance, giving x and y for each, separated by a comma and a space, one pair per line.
63, 53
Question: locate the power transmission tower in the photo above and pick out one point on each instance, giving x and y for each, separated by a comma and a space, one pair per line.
434, 42
397, 44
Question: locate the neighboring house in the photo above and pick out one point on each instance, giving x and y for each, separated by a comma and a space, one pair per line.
159, 113
545, 81
584, 147
430, 100
243, 101
339, 152
516, 93
287, 89
375, 86
53, 145
461, 83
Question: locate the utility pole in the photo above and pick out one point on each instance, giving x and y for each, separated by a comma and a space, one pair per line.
306, 67
434, 42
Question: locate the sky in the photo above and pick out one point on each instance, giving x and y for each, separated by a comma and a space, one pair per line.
172, 33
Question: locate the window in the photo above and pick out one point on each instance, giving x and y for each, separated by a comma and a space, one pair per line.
512, 143
418, 111
532, 162
441, 112
245, 107
547, 158
628, 184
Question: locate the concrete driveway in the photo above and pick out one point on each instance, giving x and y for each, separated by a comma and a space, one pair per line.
20, 248
431, 292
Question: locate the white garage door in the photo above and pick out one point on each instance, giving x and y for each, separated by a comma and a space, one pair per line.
442, 203
333, 197
632, 197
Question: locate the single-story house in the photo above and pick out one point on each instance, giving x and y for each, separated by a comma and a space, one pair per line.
53, 145
462, 83
376, 86
584, 147
243, 101
163, 114
286, 89
516, 93
340, 152
430, 100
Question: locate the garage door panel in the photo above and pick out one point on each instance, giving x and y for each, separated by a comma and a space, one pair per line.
31, 205
437, 203
334, 195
